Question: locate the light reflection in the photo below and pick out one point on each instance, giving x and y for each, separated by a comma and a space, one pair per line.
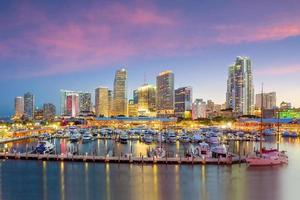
155, 182
62, 180
107, 174
45, 195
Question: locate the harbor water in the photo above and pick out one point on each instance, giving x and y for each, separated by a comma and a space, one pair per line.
24, 179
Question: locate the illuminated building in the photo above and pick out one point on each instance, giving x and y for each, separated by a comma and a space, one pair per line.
183, 102
38, 113
240, 91
49, 111
19, 107
165, 94
269, 100
85, 102
101, 102
199, 109
135, 96
120, 93
69, 105
132, 108
146, 100
110, 103
29, 105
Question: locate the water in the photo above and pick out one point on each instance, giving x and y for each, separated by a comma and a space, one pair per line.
66, 180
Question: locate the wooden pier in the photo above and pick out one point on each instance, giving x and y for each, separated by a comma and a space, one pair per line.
123, 159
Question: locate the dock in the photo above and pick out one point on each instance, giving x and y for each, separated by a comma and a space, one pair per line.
123, 159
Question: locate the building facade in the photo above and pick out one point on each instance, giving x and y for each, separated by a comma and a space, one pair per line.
269, 100
49, 111
146, 100
19, 107
29, 105
240, 91
101, 102
199, 109
183, 102
165, 94
132, 108
69, 103
85, 102
120, 93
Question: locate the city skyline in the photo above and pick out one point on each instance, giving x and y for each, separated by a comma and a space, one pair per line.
41, 54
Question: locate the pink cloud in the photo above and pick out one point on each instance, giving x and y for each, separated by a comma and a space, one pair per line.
279, 71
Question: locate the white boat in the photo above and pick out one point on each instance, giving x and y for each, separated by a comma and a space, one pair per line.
158, 152
220, 150
148, 138
44, 146
202, 150
197, 138
75, 137
123, 137
87, 137
184, 138
171, 137
213, 140
106, 131
160, 137
268, 159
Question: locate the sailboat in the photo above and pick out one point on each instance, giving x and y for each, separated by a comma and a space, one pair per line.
159, 151
267, 157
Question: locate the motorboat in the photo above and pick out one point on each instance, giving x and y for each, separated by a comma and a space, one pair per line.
219, 151
160, 137
87, 137
197, 138
123, 137
268, 158
44, 147
148, 138
269, 132
184, 138
75, 137
202, 150
106, 131
213, 140
171, 137
289, 134
45, 136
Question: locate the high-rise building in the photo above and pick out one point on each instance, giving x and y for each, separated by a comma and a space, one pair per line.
240, 91
49, 111
269, 100
69, 105
132, 108
183, 102
110, 103
85, 102
19, 107
101, 102
135, 96
120, 93
165, 94
29, 105
199, 109
146, 100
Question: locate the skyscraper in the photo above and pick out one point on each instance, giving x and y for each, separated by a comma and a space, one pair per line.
120, 93
135, 96
132, 108
85, 102
110, 103
49, 111
101, 102
19, 107
165, 94
269, 100
240, 91
199, 109
183, 102
69, 103
146, 100
29, 105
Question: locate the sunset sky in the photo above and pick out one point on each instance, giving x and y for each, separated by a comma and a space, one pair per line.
46, 46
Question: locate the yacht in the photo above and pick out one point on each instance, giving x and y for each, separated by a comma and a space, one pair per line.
123, 137
171, 136
87, 137
75, 137
148, 138
158, 152
160, 137
184, 138
44, 146
197, 138
202, 150
219, 150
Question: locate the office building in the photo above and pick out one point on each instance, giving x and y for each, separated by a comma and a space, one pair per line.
183, 102
19, 107
29, 104
120, 93
101, 102
49, 111
269, 100
146, 100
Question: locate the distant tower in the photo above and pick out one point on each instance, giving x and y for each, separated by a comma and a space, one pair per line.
29, 105
101, 102
19, 107
147, 100
69, 103
85, 102
240, 91
120, 93
183, 102
165, 94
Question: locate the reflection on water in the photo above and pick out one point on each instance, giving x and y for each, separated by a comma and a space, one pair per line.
66, 180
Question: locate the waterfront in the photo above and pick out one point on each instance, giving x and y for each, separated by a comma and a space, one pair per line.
23, 179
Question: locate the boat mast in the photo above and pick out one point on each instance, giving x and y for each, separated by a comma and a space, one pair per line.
278, 128
261, 119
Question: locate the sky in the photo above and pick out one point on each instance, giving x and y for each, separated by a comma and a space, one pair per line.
46, 46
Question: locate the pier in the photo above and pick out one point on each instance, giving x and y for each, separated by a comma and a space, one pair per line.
123, 159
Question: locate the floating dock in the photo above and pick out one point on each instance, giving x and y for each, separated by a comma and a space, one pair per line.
124, 159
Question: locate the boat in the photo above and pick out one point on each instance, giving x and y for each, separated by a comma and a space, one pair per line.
202, 150
219, 151
87, 137
148, 138
72, 149
45, 136
197, 138
184, 138
75, 137
160, 137
158, 152
123, 137
44, 147
289, 134
171, 137
213, 140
